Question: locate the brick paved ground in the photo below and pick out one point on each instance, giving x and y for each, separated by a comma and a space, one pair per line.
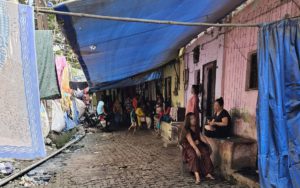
120, 160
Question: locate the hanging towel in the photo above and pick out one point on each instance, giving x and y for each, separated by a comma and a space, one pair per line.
48, 82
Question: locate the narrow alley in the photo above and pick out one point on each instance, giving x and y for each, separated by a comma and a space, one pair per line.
152, 93
120, 160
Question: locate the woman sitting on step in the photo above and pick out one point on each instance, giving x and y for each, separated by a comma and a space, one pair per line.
220, 125
195, 152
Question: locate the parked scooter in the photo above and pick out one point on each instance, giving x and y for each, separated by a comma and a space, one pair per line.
103, 121
90, 119
106, 122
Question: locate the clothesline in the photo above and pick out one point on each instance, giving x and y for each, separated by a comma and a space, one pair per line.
126, 19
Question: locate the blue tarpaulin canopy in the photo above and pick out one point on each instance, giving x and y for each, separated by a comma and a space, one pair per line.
110, 51
139, 79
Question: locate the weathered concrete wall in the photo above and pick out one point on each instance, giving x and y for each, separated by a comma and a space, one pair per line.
169, 71
238, 44
211, 49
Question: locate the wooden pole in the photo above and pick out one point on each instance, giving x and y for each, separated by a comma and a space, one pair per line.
42, 20
125, 19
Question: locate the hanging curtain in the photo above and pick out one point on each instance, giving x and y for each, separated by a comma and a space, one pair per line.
278, 114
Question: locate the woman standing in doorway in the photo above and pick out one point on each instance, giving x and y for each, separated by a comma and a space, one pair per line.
193, 103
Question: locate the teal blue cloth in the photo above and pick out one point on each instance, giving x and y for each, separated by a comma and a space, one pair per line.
48, 82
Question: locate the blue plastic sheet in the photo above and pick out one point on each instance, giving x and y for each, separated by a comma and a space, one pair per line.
112, 50
278, 114
129, 81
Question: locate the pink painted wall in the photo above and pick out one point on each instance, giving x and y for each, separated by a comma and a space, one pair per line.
210, 50
239, 42
231, 50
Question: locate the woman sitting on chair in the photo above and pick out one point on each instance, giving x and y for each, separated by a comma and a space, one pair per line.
220, 125
195, 152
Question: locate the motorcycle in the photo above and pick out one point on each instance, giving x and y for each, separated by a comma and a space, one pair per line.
90, 119
105, 122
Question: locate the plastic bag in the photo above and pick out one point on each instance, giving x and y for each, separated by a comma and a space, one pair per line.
58, 120
70, 124
80, 107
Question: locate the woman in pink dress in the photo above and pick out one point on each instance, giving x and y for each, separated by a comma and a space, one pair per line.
193, 103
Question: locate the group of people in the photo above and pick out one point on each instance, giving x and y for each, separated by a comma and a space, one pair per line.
196, 150
140, 111
144, 113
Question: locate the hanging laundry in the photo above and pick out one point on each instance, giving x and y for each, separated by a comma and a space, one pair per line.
65, 81
48, 82
60, 62
21, 134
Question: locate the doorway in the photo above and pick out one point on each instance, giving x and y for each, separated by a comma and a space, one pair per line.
168, 92
208, 92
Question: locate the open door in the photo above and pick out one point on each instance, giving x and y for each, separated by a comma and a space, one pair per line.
208, 93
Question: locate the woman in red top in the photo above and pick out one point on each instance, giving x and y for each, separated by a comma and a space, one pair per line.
135, 101
193, 103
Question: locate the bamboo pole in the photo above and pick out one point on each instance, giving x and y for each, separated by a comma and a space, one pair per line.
126, 19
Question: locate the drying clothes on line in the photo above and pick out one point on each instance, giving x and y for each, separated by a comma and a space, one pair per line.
60, 62
21, 134
48, 82
65, 81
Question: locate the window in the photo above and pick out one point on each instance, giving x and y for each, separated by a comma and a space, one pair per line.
186, 78
252, 73
197, 77
196, 54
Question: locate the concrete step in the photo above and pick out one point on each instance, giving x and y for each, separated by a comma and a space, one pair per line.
247, 177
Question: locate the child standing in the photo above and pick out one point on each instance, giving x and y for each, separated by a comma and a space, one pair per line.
133, 119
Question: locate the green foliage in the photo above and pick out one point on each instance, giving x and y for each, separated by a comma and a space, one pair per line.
61, 44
